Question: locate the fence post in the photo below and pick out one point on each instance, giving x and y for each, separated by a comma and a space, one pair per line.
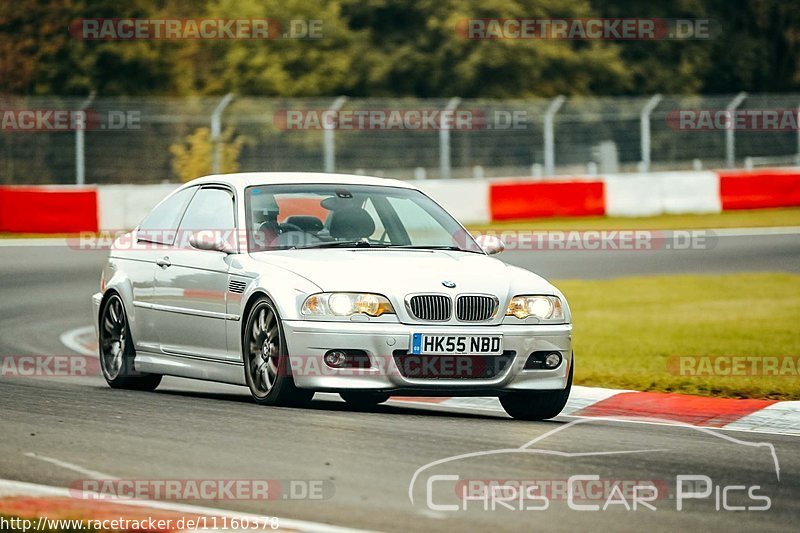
329, 146
549, 135
444, 140
644, 124
80, 155
216, 132
730, 146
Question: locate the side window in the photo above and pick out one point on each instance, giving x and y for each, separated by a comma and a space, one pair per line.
211, 209
162, 222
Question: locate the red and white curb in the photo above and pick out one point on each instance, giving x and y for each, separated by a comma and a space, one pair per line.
40, 502
755, 415
758, 415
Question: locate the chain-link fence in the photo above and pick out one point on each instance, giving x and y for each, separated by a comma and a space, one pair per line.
132, 140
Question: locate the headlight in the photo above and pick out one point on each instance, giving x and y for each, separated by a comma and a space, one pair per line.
541, 307
346, 304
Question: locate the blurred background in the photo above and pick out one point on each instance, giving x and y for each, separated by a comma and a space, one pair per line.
193, 106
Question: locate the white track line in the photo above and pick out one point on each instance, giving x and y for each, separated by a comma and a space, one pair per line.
94, 474
755, 232
19, 488
70, 340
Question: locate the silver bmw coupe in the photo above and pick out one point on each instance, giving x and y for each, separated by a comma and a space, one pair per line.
293, 283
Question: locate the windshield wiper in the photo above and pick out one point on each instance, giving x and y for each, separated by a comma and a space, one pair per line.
367, 244
430, 247
337, 244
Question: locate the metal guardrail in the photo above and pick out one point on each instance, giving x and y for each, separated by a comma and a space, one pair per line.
128, 140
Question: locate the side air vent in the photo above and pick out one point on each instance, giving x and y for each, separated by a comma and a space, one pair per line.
236, 286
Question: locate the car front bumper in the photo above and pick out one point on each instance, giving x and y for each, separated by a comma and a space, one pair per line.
308, 341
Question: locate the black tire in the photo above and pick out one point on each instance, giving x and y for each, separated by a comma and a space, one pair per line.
266, 360
364, 399
116, 349
537, 405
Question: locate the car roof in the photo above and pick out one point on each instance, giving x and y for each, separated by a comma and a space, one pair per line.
246, 179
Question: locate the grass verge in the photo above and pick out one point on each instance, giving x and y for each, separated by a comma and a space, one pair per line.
728, 219
627, 329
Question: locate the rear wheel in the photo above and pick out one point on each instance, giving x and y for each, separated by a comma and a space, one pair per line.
364, 399
537, 405
117, 351
266, 361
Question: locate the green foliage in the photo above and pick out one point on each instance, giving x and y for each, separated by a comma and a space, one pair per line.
193, 158
397, 48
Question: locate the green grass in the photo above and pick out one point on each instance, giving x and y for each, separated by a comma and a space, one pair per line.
38, 235
728, 219
626, 329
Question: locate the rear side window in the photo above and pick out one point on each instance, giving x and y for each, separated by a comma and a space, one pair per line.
211, 209
161, 225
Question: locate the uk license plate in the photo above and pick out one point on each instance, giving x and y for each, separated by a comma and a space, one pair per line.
424, 344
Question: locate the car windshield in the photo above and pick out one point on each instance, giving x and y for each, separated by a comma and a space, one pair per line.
281, 217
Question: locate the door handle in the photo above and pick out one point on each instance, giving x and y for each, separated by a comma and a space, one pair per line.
163, 263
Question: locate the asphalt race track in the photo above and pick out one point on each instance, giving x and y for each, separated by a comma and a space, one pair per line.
51, 428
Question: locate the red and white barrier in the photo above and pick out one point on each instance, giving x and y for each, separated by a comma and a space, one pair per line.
64, 209
48, 209
659, 193
124, 206
760, 189
516, 200
644, 194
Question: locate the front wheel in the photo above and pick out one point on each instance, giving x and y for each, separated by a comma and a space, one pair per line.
537, 405
266, 361
117, 351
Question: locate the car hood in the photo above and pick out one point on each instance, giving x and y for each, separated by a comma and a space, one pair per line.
402, 272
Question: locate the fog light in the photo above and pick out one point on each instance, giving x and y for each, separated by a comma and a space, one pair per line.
552, 360
335, 358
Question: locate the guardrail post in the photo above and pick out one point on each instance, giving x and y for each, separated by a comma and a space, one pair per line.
80, 155
329, 144
644, 125
216, 133
549, 135
730, 146
444, 140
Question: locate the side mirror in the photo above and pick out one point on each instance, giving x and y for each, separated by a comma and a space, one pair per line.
210, 241
490, 244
